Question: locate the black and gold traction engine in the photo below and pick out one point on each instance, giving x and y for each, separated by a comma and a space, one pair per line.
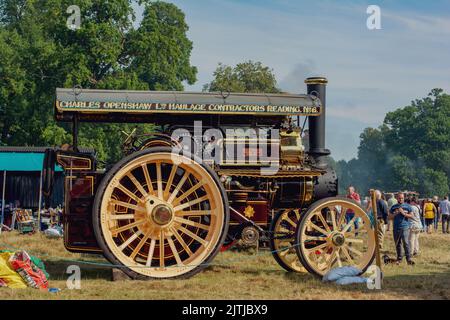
221, 168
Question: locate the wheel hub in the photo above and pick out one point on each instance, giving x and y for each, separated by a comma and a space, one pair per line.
338, 239
162, 215
249, 236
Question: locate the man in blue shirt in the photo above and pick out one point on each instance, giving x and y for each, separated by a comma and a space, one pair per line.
401, 213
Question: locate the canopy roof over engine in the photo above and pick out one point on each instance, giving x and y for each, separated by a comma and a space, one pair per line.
114, 105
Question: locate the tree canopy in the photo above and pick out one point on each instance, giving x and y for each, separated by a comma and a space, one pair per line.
40, 53
248, 76
410, 151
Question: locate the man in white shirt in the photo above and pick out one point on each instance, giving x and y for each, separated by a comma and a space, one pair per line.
444, 210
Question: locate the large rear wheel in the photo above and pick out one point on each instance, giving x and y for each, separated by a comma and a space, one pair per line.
335, 232
160, 214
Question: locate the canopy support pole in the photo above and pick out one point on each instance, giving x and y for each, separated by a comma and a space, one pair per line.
3, 200
40, 201
377, 239
75, 132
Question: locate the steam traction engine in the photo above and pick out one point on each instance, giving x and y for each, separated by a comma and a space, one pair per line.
220, 168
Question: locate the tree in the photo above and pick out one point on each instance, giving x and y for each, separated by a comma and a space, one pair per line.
403, 174
344, 174
411, 150
247, 76
433, 183
422, 129
372, 158
160, 49
421, 132
40, 53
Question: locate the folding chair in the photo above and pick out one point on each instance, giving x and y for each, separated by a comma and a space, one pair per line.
25, 223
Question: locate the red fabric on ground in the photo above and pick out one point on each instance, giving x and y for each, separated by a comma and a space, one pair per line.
32, 275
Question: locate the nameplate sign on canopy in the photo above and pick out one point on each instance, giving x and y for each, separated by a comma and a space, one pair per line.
151, 102
188, 108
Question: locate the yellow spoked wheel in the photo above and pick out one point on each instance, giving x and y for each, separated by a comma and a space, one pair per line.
282, 240
335, 232
160, 214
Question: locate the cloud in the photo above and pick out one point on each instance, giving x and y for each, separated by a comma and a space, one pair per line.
435, 26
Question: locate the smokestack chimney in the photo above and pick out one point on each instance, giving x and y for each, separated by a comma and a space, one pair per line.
316, 86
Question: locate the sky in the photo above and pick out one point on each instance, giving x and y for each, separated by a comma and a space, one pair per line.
370, 72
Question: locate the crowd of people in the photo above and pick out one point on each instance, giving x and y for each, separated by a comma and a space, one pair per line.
407, 216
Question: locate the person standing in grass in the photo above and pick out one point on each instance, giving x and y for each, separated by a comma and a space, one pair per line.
420, 204
437, 216
401, 213
352, 194
429, 212
382, 214
391, 201
416, 226
444, 210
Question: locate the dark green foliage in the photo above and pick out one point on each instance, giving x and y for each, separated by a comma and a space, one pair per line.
247, 76
410, 151
40, 53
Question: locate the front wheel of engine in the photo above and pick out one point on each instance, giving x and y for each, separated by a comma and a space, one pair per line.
335, 232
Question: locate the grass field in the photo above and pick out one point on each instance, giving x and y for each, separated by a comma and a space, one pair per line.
237, 275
